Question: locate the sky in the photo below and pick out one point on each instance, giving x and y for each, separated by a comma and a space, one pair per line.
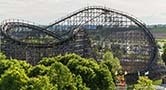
47, 11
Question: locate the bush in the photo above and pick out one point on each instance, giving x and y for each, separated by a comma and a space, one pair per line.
144, 84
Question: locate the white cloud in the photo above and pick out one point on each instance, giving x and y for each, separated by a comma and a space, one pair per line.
44, 11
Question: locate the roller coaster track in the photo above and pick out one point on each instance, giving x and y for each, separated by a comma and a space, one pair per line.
131, 17
8, 24
78, 20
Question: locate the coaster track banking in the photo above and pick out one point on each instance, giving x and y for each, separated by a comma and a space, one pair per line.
122, 30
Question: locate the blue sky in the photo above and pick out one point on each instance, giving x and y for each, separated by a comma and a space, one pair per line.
46, 11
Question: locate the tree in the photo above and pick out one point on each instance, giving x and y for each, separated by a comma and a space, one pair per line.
2, 56
63, 59
95, 77
38, 70
104, 79
39, 83
112, 63
61, 76
164, 56
80, 84
108, 56
144, 84
69, 72
58, 71
13, 79
6, 64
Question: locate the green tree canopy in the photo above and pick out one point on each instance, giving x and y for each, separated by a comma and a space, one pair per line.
13, 79
6, 64
68, 72
87, 69
112, 63
61, 75
39, 83
38, 70
95, 77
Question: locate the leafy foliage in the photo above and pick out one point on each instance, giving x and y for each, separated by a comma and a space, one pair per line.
38, 70
144, 84
13, 79
112, 63
2, 56
92, 73
61, 75
39, 83
164, 56
69, 72
7, 64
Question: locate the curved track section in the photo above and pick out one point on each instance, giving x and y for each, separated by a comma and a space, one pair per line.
109, 28
24, 32
90, 32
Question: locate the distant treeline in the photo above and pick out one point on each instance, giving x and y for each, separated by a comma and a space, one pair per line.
157, 28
